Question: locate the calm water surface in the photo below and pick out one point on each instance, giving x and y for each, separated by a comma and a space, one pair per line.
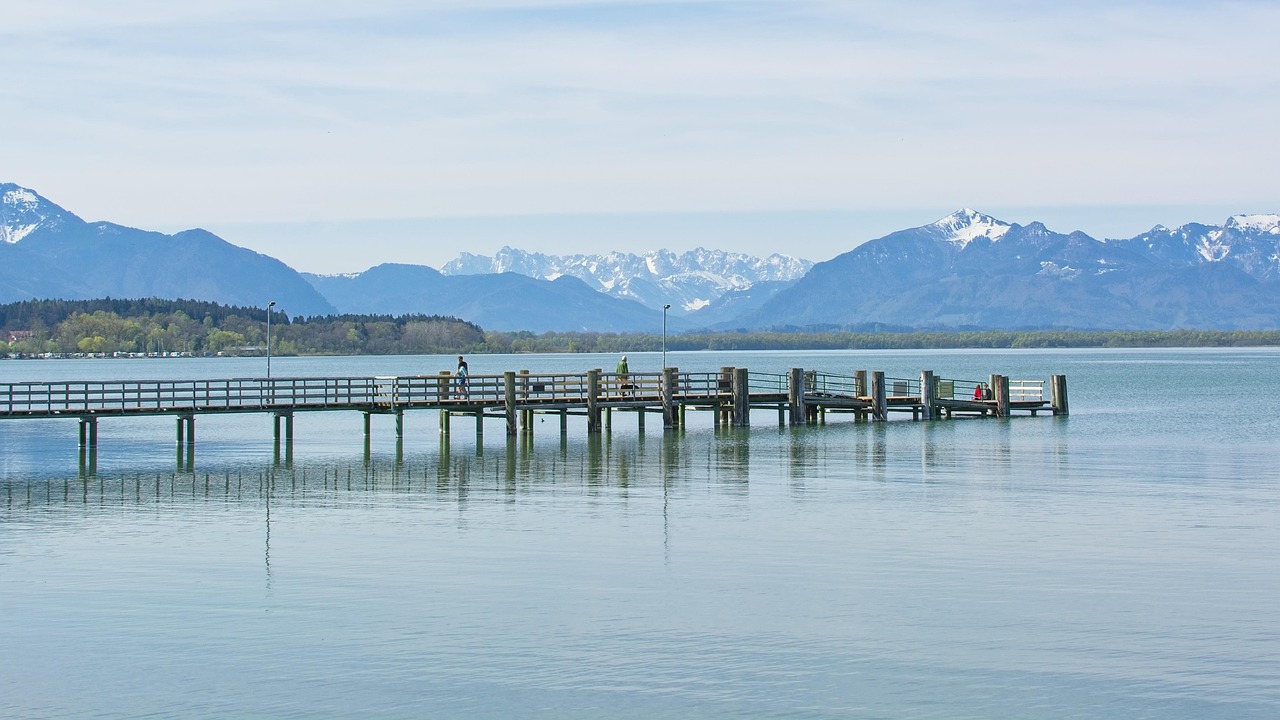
1118, 563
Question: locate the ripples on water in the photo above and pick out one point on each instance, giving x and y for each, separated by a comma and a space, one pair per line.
1097, 566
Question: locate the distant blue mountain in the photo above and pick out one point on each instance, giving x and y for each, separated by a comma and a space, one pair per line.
47, 252
501, 301
965, 271
970, 270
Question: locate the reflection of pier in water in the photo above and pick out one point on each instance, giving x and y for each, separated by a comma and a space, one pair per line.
724, 459
799, 397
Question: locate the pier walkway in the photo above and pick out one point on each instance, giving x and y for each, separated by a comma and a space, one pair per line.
799, 397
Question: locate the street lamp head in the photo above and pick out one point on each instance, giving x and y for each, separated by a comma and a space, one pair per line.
667, 306
271, 303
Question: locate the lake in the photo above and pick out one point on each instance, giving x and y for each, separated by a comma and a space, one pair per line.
1120, 562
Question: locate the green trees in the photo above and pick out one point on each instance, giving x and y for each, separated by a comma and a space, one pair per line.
188, 326
159, 326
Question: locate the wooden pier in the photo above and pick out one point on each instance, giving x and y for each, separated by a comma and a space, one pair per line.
799, 397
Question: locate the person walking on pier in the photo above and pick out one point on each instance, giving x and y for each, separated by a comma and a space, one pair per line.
463, 375
624, 377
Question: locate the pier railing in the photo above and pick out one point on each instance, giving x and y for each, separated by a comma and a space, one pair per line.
1026, 391
767, 383
830, 384
954, 389
902, 387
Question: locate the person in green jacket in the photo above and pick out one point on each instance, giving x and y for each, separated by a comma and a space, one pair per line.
624, 377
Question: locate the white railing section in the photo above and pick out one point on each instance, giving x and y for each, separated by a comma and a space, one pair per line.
1026, 391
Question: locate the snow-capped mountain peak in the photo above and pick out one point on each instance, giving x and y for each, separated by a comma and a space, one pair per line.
966, 225
688, 281
23, 211
1266, 224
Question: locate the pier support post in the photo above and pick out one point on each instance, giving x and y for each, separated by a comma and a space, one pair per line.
860, 383
88, 446
741, 397
367, 421
89, 432
1001, 388
509, 400
1058, 393
668, 398
593, 401
287, 418
399, 424
795, 396
927, 391
879, 397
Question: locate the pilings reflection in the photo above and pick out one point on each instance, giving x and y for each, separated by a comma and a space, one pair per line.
725, 460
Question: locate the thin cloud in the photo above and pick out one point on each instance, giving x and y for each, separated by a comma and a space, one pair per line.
313, 111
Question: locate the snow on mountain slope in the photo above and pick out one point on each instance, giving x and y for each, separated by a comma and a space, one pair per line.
964, 226
688, 281
23, 211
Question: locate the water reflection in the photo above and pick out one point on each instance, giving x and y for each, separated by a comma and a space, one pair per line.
603, 466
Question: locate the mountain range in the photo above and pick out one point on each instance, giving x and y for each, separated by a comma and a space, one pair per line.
965, 271
688, 282
970, 270
47, 252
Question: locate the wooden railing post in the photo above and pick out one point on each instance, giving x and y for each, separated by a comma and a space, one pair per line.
1001, 389
526, 415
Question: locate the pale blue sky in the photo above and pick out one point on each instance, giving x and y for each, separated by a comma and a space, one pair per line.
339, 134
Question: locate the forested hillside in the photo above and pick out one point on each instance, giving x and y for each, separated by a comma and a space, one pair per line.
203, 328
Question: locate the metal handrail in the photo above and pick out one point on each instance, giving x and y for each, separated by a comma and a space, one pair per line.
902, 387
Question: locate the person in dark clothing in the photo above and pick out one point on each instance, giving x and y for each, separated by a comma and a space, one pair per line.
463, 375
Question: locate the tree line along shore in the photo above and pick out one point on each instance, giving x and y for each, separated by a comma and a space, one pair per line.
111, 327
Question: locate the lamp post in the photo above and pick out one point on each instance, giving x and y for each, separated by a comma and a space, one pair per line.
665, 308
270, 305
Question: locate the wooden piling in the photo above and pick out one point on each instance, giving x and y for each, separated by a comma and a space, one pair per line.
668, 398
509, 401
795, 396
879, 397
593, 401
741, 398
860, 383
1058, 393
927, 390
1002, 395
